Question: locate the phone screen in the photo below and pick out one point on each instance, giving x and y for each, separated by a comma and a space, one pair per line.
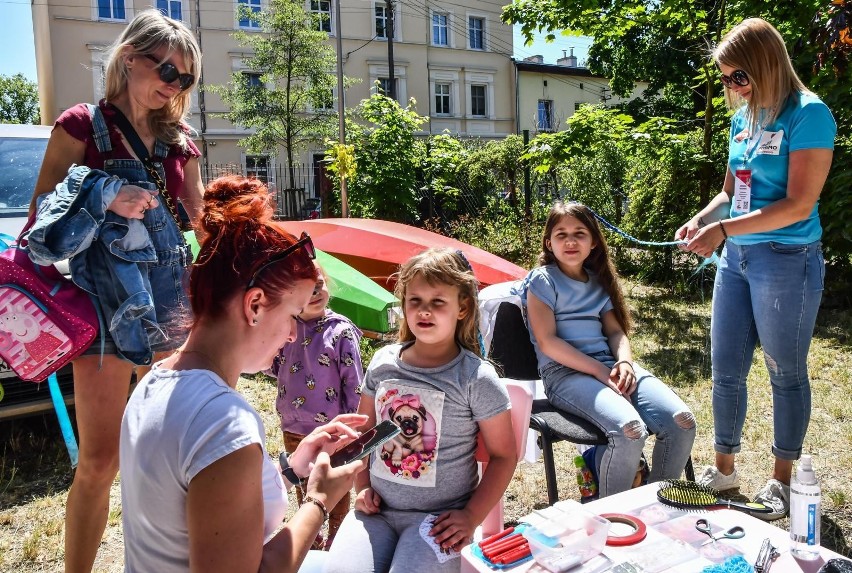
365, 444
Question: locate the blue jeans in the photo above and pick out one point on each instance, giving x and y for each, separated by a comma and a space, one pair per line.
768, 292
652, 407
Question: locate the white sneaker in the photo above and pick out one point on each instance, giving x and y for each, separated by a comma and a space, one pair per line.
712, 477
776, 496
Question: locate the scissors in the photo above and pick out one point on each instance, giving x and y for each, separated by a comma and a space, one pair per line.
703, 526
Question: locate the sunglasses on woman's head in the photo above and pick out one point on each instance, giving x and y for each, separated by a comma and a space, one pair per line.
737, 77
169, 73
304, 243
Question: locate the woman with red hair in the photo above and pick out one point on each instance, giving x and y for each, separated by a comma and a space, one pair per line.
199, 492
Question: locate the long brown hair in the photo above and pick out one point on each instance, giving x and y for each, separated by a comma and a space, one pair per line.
241, 238
757, 48
598, 261
446, 266
145, 34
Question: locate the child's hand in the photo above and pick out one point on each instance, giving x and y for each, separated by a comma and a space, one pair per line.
624, 378
368, 501
453, 529
605, 377
687, 231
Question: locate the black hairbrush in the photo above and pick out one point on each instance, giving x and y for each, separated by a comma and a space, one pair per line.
690, 495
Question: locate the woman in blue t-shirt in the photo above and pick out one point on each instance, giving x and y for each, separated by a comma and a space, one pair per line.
769, 280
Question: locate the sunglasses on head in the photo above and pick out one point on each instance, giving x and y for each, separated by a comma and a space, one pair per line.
304, 243
169, 73
737, 77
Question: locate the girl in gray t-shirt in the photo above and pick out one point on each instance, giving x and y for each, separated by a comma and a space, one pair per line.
579, 323
421, 499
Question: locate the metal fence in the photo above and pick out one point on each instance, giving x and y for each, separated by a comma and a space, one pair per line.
291, 187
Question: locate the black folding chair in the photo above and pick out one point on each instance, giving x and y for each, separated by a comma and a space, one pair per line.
512, 350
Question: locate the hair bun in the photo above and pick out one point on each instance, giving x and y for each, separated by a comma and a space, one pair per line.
234, 202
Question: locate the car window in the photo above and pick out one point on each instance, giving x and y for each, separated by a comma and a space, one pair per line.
20, 161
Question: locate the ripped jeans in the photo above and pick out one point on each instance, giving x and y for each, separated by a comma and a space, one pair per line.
653, 407
768, 292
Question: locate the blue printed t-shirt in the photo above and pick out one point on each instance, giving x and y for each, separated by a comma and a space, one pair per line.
805, 123
430, 466
577, 307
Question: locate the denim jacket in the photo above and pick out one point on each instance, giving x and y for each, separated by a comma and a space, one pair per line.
104, 249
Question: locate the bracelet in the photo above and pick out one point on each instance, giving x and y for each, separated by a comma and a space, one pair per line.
628, 362
701, 222
319, 504
724, 232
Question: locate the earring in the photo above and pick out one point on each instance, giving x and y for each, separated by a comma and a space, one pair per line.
254, 321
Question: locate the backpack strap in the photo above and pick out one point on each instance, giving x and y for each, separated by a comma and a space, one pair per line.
100, 129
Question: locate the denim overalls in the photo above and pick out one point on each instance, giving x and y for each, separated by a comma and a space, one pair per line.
168, 275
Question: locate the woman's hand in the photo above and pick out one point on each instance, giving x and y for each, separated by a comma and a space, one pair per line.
624, 378
368, 501
326, 438
687, 231
706, 241
131, 202
329, 484
604, 376
453, 529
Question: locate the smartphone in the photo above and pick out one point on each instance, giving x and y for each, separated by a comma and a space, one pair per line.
365, 444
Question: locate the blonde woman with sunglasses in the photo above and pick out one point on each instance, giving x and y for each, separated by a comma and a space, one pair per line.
769, 279
150, 72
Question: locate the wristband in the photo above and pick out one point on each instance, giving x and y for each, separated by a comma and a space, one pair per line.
724, 232
319, 504
288, 472
701, 222
628, 362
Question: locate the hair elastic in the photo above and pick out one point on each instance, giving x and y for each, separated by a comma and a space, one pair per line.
640, 531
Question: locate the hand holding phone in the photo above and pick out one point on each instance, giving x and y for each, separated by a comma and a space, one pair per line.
365, 444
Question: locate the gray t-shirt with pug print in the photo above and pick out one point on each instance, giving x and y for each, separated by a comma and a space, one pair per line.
430, 466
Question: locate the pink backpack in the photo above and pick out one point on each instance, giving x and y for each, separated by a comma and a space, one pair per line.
45, 320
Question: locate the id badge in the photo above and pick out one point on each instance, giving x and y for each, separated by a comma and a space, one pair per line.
742, 190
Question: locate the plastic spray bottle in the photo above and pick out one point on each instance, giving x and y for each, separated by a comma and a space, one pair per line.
805, 504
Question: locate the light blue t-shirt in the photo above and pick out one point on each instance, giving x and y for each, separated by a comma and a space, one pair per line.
805, 123
577, 307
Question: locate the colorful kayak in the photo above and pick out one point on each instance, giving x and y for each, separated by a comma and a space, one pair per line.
377, 248
370, 307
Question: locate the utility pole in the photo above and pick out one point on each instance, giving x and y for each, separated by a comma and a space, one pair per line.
202, 109
390, 32
341, 107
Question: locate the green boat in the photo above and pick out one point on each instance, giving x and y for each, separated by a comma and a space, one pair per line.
354, 295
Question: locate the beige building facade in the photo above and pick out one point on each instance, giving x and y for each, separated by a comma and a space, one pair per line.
454, 59
548, 94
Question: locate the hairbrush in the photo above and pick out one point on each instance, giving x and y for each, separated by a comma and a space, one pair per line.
690, 495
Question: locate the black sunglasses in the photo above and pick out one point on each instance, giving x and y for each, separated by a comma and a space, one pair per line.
304, 243
169, 73
737, 77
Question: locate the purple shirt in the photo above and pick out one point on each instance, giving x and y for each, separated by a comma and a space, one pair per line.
318, 374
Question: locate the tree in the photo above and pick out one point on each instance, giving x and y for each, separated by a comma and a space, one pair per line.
666, 43
18, 100
286, 95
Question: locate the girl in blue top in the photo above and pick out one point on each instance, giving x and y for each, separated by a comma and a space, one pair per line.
579, 323
769, 279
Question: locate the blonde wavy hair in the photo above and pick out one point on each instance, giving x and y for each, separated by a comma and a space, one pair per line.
757, 48
145, 34
450, 267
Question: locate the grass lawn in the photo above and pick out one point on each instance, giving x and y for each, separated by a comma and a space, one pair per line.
671, 339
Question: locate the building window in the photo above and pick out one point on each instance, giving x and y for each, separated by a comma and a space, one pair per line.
322, 8
381, 22
442, 99
545, 115
384, 86
477, 101
171, 8
577, 105
254, 7
111, 10
440, 25
258, 166
476, 33
252, 80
